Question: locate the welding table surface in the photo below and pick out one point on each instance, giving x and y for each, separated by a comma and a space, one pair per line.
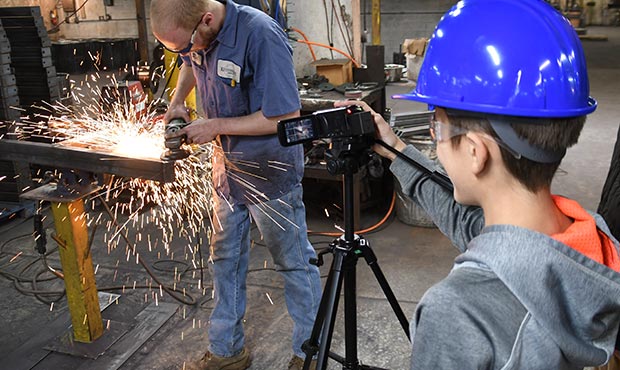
373, 97
60, 156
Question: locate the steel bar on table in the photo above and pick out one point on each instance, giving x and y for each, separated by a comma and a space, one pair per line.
59, 156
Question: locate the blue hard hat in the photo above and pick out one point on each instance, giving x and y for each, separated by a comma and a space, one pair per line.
508, 57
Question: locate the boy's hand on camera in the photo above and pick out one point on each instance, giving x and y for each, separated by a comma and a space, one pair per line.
383, 130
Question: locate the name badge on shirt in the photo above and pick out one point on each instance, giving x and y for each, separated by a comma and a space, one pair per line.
228, 69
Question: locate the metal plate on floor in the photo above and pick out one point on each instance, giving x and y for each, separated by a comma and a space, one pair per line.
114, 330
106, 299
148, 321
65, 343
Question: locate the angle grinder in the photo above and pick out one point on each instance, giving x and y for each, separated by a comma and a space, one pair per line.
174, 145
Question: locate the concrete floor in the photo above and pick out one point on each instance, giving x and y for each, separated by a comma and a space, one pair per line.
412, 258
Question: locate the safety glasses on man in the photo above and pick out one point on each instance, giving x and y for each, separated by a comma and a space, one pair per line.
190, 44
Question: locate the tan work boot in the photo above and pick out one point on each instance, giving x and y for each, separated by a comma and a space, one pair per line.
213, 362
297, 363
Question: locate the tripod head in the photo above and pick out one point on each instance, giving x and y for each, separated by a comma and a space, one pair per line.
345, 156
348, 155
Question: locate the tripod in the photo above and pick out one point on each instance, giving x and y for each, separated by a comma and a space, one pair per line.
346, 250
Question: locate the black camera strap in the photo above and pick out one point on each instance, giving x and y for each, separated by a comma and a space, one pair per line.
438, 177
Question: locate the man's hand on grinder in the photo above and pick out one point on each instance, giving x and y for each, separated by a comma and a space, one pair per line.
199, 131
175, 111
384, 132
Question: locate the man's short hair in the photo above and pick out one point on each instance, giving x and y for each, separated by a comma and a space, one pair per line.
180, 13
548, 134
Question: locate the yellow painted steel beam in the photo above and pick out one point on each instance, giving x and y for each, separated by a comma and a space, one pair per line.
170, 63
78, 271
356, 24
376, 22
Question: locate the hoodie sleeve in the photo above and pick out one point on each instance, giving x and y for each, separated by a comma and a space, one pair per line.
459, 223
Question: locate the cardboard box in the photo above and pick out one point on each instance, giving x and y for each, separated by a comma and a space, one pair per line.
414, 62
337, 71
415, 46
575, 18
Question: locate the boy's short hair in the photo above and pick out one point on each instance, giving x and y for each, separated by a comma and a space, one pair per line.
547, 134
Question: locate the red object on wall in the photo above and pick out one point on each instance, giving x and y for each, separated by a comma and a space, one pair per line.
127, 95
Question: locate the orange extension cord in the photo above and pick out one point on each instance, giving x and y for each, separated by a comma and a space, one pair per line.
310, 43
355, 63
370, 229
305, 38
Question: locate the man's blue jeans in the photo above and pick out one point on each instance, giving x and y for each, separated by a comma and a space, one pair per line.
291, 251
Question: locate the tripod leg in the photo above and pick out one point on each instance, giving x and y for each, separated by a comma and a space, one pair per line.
371, 260
350, 313
331, 310
326, 315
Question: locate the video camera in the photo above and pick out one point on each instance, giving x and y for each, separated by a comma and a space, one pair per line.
335, 124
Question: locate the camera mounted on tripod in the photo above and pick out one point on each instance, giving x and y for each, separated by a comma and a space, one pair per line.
351, 132
350, 129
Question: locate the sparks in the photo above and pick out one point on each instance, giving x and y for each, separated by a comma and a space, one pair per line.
15, 257
105, 123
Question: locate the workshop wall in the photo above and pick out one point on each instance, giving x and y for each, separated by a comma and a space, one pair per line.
96, 20
46, 6
400, 20
595, 12
310, 18
405, 19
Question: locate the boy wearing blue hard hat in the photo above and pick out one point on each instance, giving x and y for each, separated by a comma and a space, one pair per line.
536, 286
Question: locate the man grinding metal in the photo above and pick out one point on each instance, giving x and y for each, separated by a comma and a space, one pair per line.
241, 63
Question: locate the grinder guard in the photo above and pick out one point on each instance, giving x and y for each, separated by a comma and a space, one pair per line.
174, 145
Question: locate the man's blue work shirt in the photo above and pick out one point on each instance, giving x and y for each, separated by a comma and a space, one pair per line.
248, 68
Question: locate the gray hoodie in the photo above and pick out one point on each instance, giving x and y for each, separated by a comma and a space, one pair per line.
515, 299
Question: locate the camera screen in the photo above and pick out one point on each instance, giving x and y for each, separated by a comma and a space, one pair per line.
333, 124
298, 130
